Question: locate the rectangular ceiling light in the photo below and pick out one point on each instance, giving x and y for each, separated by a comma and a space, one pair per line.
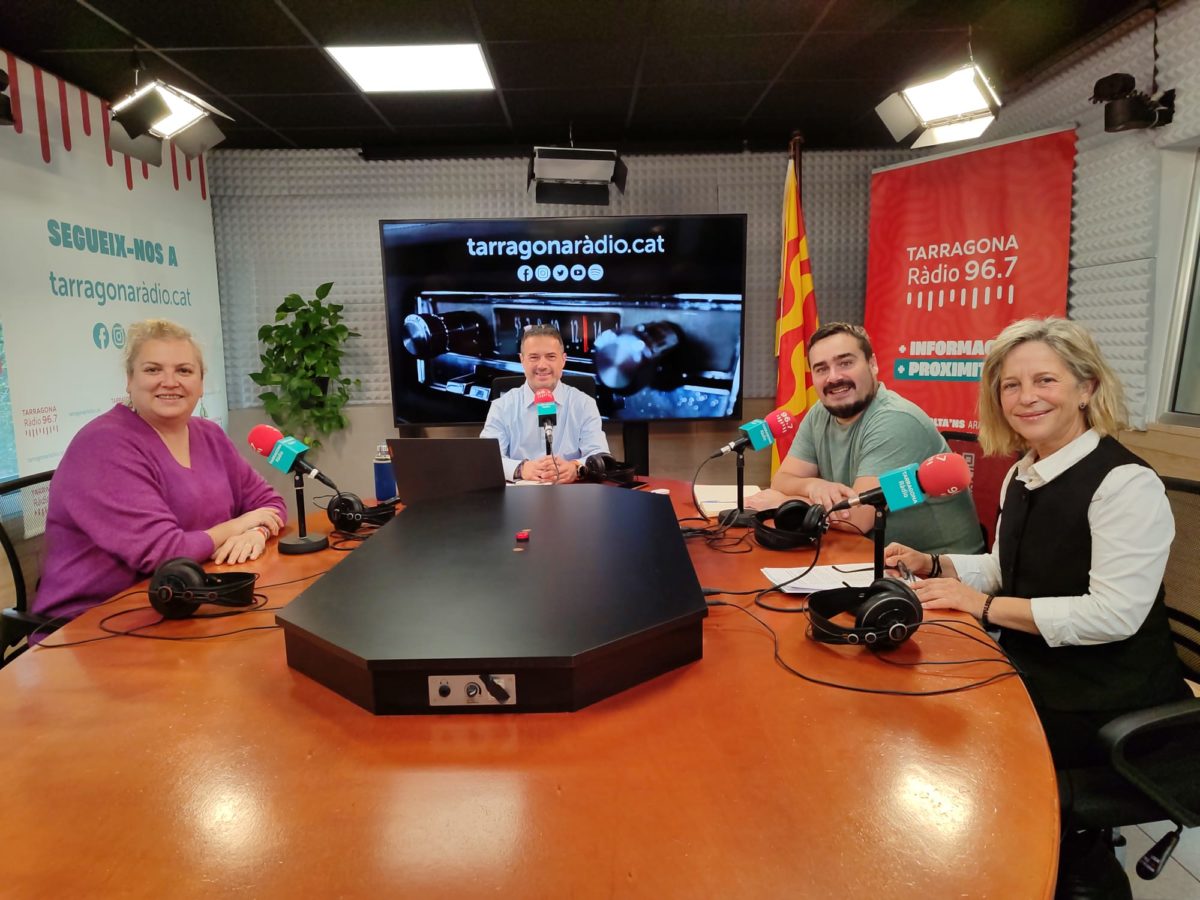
413, 67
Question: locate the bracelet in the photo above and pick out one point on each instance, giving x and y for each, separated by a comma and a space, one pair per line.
935, 566
987, 604
264, 530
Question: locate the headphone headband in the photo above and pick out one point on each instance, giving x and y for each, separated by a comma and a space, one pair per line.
797, 524
348, 513
605, 467
885, 614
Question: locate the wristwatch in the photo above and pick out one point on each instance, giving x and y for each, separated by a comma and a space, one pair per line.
517, 470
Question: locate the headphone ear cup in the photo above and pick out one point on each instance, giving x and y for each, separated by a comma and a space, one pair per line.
173, 587
791, 515
816, 520
345, 512
891, 610
593, 467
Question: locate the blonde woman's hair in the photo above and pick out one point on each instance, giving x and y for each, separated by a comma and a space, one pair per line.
156, 330
1081, 355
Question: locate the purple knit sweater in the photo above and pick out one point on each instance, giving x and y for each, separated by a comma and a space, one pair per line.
120, 505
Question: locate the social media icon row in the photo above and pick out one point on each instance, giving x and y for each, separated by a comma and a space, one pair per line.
561, 272
102, 335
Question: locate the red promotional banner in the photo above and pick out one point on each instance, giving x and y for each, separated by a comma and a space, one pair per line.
961, 245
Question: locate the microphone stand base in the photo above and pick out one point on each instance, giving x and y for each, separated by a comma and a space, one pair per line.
310, 543
736, 518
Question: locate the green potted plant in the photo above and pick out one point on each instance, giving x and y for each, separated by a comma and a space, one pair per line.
302, 366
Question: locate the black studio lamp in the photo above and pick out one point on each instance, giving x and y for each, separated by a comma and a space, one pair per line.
1128, 109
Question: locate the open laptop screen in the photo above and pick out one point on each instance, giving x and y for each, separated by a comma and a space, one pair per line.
443, 467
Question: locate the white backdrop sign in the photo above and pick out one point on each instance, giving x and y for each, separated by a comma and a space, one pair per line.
90, 241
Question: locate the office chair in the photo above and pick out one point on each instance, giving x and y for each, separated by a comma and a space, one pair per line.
1154, 753
503, 383
24, 553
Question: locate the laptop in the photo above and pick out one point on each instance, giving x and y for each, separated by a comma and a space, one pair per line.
428, 468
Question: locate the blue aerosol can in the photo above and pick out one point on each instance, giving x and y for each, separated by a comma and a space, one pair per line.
385, 478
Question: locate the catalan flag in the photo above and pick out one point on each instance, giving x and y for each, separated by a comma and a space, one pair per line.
796, 316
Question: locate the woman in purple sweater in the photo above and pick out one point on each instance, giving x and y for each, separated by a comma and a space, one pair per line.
147, 482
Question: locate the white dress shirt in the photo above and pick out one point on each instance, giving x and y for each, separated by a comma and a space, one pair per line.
1132, 529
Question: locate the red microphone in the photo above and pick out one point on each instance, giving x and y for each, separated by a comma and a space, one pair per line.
761, 433
263, 438
285, 453
944, 473
941, 475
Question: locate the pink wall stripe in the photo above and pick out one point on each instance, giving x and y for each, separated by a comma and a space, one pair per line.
14, 92
39, 94
65, 113
85, 107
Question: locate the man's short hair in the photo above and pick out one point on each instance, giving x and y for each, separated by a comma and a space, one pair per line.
541, 331
856, 331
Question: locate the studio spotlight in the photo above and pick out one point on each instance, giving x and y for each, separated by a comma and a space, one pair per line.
575, 175
1128, 109
157, 111
957, 107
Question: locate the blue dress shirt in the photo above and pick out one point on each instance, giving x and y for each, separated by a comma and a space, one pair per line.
512, 419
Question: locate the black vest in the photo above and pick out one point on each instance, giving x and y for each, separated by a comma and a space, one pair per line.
1046, 551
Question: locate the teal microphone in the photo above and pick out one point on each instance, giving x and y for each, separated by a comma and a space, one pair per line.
547, 415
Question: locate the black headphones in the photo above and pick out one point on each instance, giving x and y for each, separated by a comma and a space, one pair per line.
797, 524
347, 513
885, 614
180, 585
603, 467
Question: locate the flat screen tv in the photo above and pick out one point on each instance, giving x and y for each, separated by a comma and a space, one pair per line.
651, 309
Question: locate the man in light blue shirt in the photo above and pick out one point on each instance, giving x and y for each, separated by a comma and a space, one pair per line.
512, 418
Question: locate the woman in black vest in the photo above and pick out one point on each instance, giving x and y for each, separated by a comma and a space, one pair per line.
1074, 581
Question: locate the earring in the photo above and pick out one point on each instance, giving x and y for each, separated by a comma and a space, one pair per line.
1083, 405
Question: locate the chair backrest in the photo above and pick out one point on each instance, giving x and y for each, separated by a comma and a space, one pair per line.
1182, 577
23, 503
501, 384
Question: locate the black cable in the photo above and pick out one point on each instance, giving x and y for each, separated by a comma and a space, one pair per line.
135, 631
65, 619
695, 478
787, 667
762, 592
110, 634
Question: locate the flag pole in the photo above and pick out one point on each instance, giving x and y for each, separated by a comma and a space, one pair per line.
796, 149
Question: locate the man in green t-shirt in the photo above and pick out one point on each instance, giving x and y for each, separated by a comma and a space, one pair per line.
861, 430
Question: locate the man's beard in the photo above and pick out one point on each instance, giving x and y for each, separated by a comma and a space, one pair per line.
854, 407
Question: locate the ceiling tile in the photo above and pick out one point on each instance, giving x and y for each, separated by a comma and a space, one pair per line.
568, 64
264, 71
553, 20
709, 59
563, 105
27, 26
245, 24
441, 108
287, 110
375, 22
730, 17
677, 102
